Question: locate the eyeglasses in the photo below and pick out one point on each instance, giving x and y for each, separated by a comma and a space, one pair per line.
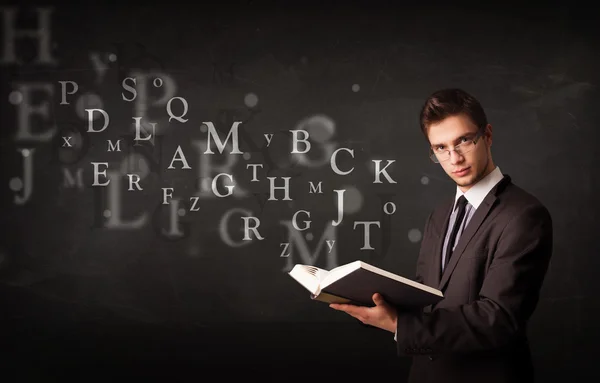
468, 144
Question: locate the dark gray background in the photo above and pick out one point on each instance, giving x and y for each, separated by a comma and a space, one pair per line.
73, 293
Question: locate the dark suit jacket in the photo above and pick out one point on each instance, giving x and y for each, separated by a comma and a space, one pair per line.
491, 286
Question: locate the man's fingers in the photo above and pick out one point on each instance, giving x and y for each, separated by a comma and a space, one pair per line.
350, 309
378, 299
340, 306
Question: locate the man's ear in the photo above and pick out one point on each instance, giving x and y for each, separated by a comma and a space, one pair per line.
488, 134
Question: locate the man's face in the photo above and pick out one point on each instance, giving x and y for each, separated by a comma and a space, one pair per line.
475, 164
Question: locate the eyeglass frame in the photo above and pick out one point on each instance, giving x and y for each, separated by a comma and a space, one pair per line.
475, 139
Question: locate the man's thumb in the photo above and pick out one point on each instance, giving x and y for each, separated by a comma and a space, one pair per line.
378, 299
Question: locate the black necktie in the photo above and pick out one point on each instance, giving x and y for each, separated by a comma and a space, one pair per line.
462, 202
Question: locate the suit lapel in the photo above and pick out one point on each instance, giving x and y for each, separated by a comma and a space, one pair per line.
476, 221
437, 259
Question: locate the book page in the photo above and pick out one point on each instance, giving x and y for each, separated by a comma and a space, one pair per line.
338, 273
309, 276
321, 274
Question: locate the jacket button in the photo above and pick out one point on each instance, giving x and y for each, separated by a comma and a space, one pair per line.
430, 357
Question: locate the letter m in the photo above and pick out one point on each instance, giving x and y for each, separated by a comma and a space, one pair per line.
72, 181
112, 148
314, 189
233, 133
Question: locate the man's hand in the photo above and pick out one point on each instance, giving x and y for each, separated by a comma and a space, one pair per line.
382, 315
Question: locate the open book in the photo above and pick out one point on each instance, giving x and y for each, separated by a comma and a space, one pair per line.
356, 282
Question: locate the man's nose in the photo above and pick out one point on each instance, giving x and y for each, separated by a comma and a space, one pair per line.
455, 157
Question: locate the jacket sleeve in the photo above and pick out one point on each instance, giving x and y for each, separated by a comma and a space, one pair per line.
509, 295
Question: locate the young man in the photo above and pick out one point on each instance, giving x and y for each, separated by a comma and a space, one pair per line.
487, 249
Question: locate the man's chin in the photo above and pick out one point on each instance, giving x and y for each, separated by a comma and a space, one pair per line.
463, 181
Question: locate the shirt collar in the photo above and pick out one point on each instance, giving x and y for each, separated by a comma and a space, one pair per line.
477, 192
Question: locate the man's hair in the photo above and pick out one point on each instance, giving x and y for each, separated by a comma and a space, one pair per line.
445, 103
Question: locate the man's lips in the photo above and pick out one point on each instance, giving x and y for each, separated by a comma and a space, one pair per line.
461, 170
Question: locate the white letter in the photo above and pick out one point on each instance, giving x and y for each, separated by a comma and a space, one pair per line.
27, 176
131, 182
71, 181
42, 34
334, 166
316, 189
96, 173
254, 166
330, 243
268, 136
367, 245
170, 112
306, 223
233, 132
377, 172
112, 148
67, 142
283, 254
195, 201
340, 203
182, 159
167, 192
385, 209
229, 187
286, 188
295, 141
90, 113
129, 88
254, 229
26, 109
138, 130
63, 90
